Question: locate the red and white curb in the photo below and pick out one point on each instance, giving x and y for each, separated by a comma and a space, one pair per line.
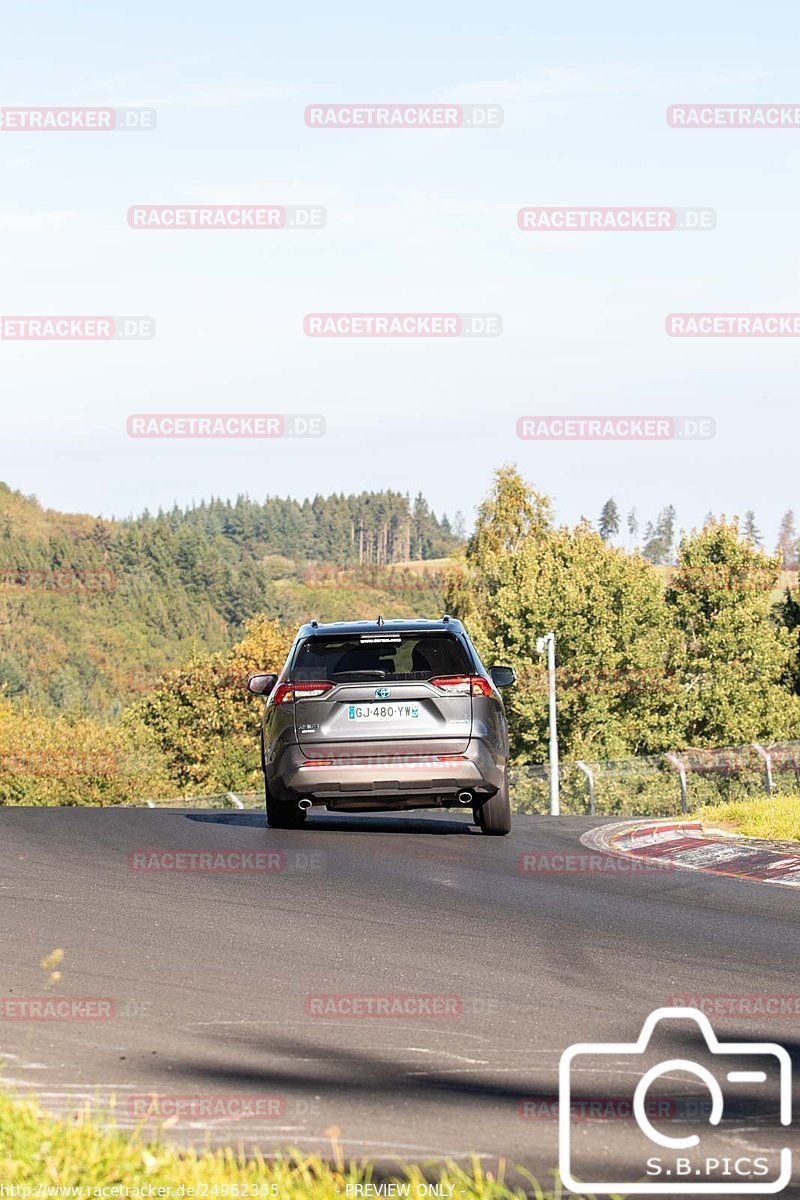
684, 844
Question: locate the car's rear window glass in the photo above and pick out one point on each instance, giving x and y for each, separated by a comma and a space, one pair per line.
380, 656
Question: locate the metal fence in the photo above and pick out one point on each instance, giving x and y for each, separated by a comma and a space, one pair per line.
645, 785
661, 784
243, 799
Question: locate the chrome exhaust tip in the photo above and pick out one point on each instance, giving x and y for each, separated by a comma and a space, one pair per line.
464, 797
304, 803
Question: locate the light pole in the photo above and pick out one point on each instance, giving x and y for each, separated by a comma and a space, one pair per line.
548, 642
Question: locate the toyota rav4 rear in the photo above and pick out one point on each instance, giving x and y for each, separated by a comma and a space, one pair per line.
386, 715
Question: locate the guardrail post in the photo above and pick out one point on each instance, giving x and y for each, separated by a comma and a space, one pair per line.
589, 784
766, 758
680, 767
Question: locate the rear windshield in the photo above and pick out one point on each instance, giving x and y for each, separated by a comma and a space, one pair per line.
380, 656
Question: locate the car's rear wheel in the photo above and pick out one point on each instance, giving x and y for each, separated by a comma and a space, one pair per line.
283, 814
493, 817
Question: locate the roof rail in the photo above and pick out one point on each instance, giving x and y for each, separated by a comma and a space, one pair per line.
445, 618
315, 624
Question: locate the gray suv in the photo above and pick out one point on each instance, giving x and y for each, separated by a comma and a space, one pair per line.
381, 715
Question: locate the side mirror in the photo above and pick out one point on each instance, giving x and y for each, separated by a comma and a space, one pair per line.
261, 685
503, 676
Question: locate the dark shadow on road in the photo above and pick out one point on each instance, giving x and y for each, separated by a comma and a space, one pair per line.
340, 1071
346, 823
688, 1039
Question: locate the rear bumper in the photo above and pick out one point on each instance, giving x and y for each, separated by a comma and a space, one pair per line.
393, 776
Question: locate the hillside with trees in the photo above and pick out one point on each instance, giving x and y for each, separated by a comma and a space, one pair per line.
646, 664
709, 660
92, 611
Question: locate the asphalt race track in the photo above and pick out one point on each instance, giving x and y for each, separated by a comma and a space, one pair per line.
214, 975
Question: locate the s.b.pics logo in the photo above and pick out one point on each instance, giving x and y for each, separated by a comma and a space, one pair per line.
721, 1134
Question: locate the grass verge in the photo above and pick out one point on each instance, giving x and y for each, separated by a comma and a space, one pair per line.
768, 817
38, 1151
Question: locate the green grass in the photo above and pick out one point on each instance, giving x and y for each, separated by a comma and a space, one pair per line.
38, 1150
768, 817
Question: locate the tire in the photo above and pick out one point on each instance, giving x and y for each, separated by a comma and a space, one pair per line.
493, 817
283, 814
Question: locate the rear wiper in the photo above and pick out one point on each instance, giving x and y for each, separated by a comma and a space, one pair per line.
359, 674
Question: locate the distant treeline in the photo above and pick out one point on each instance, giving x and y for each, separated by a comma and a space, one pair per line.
365, 529
86, 603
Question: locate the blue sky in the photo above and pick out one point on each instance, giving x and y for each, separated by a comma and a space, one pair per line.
417, 221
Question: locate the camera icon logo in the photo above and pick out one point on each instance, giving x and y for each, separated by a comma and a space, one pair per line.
680, 1162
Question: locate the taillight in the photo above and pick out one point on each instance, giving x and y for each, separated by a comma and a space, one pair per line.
286, 693
463, 685
310, 688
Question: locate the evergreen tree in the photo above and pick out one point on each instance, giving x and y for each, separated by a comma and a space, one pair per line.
609, 520
751, 531
633, 524
787, 546
659, 539
421, 528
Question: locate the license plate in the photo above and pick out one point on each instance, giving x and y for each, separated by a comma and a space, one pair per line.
382, 712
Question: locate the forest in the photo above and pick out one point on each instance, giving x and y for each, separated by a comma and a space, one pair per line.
91, 609
126, 644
